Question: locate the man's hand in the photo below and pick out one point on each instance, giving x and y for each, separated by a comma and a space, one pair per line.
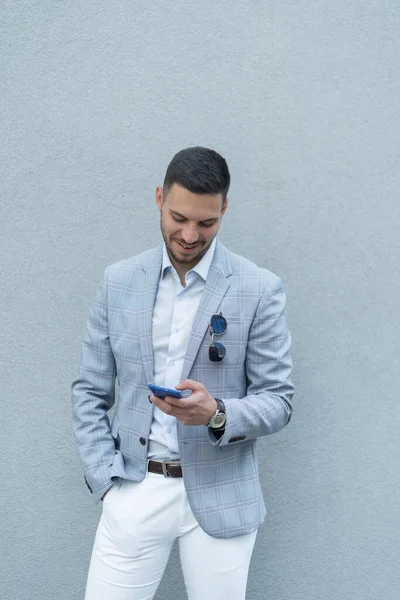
195, 410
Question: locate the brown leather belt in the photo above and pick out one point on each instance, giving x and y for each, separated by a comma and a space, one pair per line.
168, 469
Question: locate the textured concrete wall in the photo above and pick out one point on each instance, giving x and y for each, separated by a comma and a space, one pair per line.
302, 97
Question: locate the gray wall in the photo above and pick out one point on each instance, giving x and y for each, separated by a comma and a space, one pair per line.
302, 98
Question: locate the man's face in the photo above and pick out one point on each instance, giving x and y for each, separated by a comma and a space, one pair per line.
189, 223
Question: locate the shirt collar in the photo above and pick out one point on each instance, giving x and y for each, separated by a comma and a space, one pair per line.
201, 268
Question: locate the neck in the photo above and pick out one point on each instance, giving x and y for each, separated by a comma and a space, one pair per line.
181, 269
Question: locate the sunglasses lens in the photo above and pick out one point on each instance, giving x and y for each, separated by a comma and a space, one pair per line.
219, 324
216, 352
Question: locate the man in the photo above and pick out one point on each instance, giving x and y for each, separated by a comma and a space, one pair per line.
189, 315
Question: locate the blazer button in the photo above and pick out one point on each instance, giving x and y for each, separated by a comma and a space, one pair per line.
142, 441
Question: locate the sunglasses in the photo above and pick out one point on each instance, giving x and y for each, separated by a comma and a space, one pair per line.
218, 326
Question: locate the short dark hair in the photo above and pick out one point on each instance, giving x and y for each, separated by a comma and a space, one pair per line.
199, 170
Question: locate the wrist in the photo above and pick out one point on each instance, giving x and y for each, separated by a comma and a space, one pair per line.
214, 408
218, 419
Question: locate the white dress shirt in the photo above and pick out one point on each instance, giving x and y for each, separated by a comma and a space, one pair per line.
174, 310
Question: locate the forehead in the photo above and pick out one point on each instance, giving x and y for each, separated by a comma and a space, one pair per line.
193, 206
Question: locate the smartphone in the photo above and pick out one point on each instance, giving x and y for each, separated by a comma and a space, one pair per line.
161, 392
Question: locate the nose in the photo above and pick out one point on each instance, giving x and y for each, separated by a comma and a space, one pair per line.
190, 233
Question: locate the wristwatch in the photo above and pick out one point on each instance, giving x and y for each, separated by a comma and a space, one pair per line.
218, 420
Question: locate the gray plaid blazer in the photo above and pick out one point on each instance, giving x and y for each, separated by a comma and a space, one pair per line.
220, 475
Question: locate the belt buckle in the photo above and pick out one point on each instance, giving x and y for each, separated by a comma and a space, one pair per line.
164, 466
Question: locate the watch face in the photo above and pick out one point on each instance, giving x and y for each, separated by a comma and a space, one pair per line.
218, 420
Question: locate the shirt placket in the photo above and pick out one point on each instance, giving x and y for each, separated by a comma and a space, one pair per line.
175, 349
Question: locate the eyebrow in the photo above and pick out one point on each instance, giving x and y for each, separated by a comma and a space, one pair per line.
177, 214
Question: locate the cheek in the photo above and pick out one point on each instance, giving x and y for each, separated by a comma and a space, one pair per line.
169, 228
174, 231
210, 233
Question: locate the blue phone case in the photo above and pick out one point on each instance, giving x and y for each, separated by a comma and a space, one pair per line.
161, 392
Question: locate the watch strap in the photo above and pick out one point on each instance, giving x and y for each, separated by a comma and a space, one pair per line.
220, 406
220, 411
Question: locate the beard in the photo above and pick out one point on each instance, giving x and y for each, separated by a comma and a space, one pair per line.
183, 260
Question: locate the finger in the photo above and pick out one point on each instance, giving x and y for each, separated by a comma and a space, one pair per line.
182, 403
156, 400
166, 407
190, 384
159, 402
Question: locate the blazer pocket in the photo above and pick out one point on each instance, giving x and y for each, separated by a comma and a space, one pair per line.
114, 433
238, 444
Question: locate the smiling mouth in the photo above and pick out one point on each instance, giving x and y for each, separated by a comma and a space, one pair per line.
186, 246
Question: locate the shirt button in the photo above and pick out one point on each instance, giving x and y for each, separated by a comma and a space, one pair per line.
142, 441
176, 329
172, 362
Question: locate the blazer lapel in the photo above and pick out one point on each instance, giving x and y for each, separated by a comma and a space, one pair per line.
215, 289
147, 289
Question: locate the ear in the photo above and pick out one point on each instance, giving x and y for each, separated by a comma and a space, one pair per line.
225, 205
159, 197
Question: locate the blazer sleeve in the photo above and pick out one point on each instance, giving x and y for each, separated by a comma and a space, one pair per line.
267, 406
93, 394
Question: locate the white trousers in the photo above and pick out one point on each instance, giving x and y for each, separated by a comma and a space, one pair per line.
137, 529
